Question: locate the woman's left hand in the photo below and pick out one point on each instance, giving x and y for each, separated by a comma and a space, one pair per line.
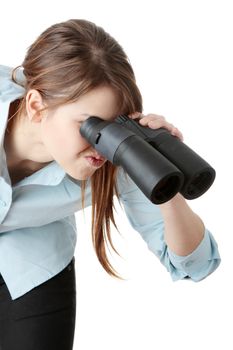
155, 121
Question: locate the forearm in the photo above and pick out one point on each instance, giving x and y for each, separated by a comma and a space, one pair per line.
184, 230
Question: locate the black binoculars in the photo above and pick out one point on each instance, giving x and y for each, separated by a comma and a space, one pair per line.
159, 163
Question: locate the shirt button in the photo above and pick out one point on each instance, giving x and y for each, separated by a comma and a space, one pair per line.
189, 263
2, 203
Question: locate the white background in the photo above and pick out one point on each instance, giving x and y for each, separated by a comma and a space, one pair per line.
181, 52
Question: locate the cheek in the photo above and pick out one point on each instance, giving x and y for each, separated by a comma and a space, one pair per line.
69, 144
64, 140
56, 138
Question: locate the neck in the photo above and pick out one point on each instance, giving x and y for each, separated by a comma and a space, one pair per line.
23, 146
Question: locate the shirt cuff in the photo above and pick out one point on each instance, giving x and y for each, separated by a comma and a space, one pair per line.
195, 261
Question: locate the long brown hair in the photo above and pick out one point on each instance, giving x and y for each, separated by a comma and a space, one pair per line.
66, 61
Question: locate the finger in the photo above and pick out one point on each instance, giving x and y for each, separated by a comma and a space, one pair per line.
156, 116
176, 132
155, 121
160, 123
152, 118
135, 115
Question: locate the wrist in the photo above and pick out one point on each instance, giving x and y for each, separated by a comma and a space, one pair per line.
178, 199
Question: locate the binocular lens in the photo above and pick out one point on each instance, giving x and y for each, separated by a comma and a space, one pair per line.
199, 184
166, 189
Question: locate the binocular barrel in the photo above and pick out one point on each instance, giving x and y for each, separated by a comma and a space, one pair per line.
160, 164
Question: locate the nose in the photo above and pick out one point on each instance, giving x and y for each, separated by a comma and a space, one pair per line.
84, 143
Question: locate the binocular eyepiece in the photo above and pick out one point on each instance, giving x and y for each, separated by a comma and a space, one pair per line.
159, 163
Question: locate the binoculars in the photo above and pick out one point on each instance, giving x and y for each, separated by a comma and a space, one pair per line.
159, 163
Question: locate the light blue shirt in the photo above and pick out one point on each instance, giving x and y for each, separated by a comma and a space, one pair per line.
38, 227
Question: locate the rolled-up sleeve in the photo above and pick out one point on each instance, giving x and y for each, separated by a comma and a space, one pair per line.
146, 218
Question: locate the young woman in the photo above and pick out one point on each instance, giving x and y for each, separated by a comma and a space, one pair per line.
72, 71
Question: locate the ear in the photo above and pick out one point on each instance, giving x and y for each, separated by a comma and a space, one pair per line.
34, 103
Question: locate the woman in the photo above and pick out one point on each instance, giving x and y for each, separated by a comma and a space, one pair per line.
72, 71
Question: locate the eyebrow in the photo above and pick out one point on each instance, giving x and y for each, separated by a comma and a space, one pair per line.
89, 115
85, 115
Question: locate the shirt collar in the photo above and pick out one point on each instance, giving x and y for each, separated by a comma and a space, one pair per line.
51, 175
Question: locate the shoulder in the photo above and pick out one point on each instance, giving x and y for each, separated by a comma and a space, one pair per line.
5, 71
8, 89
5, 77
4, 68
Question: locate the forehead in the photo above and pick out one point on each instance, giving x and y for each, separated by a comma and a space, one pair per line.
101, 101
